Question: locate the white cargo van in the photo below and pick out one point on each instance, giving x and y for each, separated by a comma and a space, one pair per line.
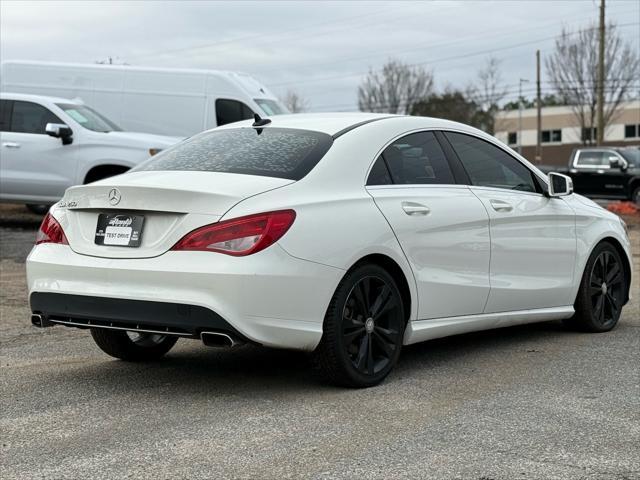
177, 102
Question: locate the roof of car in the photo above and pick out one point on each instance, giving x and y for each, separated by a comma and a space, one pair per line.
40, 98
336, 123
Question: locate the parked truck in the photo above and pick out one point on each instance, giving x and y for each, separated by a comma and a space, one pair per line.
48, 144
604, 172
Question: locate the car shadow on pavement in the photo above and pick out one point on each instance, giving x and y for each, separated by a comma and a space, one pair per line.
248, 370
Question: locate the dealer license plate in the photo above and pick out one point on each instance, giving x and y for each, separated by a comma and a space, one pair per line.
119, 229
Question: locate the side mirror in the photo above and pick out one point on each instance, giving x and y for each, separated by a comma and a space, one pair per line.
560, 185
60, 130
615, 162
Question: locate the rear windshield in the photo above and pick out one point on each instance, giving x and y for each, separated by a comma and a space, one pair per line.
271, 152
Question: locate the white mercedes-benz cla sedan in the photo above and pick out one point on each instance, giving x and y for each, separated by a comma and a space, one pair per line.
345, 235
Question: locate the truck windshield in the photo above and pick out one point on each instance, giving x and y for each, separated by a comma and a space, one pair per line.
632, 156
89, 118
271, 107
271, 152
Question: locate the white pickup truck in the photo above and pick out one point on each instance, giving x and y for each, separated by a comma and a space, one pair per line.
49, 144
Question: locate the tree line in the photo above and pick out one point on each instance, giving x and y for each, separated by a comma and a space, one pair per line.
571, 69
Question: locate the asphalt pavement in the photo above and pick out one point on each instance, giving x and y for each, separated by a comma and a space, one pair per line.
534, 401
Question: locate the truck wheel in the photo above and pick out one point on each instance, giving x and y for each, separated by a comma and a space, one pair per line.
602, 290
636, 196
133, 346
38, 209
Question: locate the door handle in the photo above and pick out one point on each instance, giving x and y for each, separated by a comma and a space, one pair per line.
500, 206
10, 144
412, 208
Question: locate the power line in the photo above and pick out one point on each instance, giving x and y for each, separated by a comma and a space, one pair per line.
261, 37
430, 45
442, 59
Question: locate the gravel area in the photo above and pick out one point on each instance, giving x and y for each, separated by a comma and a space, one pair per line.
534, 401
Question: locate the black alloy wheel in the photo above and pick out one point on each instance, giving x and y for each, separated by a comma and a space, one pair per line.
371, 326
602, 293
605, 288
363, 329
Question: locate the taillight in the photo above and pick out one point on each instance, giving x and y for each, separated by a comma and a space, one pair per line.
239, 236
50, 232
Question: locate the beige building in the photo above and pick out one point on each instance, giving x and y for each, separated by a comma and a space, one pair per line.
561, 131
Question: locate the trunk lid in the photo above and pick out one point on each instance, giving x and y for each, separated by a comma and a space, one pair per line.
172, 203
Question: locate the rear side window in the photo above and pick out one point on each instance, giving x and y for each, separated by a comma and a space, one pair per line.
591, 159
415, 159
5, 115
229, 111
28, 117
271, 152
490, 166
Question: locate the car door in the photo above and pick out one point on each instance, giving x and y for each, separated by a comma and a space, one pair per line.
442, 227
533, 239
35, 166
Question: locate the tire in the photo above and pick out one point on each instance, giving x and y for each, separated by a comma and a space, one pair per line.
132, 346
602, 290
635, 196
363, 329
38, 209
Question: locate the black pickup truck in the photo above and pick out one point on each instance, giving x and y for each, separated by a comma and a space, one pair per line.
604, 172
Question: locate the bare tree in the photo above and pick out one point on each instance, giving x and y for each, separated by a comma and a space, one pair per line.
295, 102
394, 89
487, 93
573, 69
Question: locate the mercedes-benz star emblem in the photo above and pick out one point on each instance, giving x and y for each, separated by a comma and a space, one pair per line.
114, 196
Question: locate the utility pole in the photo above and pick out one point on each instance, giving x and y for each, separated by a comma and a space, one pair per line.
522, 80
600, 111
538, 158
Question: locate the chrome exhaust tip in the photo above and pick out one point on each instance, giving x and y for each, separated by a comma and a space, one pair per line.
39, 321
217, 339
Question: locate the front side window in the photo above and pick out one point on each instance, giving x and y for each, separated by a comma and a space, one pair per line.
28, 117
229, 111
489, 166
592, 159
631, 155
89, 118
415, 159
271, 152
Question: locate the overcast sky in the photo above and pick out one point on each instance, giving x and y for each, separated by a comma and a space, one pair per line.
321, 49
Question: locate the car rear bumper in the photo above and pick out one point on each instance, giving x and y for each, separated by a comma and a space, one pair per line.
270, 298
123, 314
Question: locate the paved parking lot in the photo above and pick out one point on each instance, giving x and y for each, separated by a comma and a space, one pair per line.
525, 402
